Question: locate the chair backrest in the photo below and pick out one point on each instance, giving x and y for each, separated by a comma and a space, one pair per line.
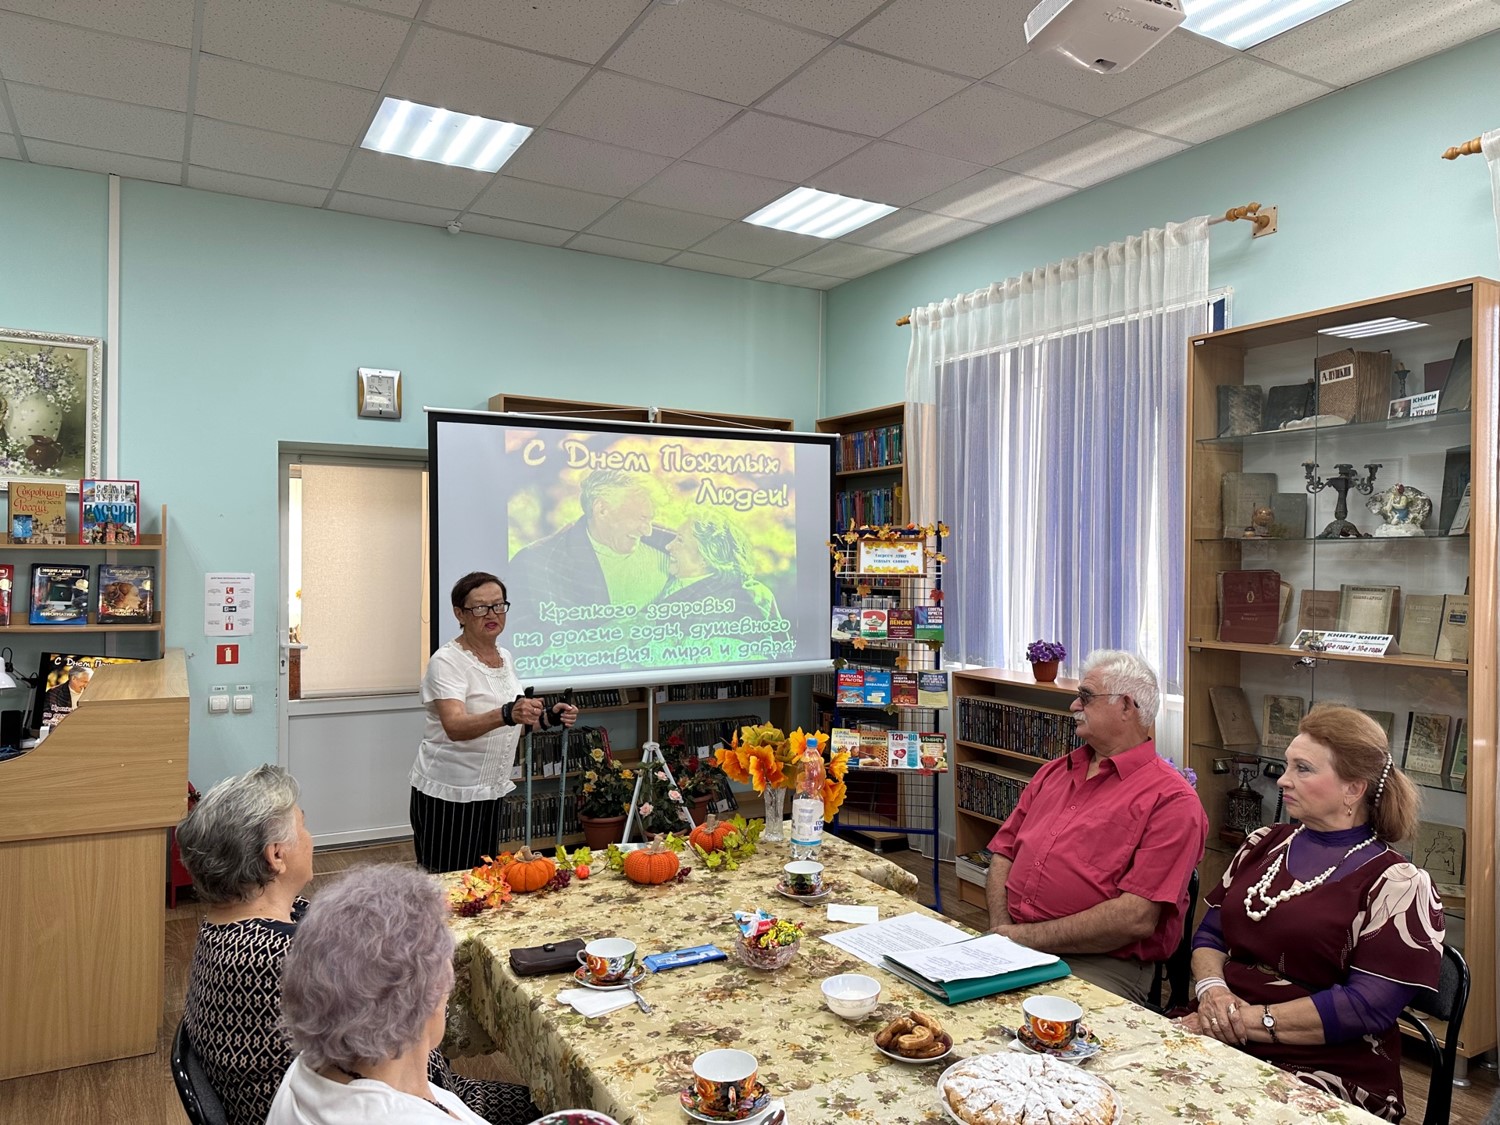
1447, 1002
1177, 969
199, 1101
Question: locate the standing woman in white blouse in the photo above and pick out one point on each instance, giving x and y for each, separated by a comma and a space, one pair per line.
475, 712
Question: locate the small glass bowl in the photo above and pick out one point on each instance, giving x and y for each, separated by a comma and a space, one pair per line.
757, 958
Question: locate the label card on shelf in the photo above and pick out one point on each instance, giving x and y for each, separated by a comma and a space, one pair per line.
1357, 644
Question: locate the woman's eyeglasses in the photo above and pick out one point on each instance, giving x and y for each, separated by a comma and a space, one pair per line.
486, 610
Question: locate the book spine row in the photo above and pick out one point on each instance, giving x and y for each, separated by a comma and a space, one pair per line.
608, 697
869, 657
867, 506
546, 808
1021, 730
871, 449
987, 794
546, 752
701, 733
726, 689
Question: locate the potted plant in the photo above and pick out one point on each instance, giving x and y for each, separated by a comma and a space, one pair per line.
697, 778
663, 808
604, 799
1045, 656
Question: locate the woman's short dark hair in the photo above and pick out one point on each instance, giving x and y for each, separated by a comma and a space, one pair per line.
471, 582
1360, 752
223, 840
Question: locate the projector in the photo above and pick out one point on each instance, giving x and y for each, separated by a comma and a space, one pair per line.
1104, 35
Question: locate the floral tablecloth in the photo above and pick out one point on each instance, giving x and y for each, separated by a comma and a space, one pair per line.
632, 1065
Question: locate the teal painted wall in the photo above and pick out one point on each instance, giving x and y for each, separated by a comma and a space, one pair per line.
242, 323
1366, 208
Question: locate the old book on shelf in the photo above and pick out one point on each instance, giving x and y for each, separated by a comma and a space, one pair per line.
1354, 385
126, 594
1240, 410
1289, 515
7, 585
1319, 610
1439, 851
1460, 524
1456, 472
1290, 403
1232, 713
1366, 609
1458, 765
1280, 715
109, 511
1239, 495
1426, 743
1458, 391
1420, 623
59, 594
1249, 606
1453, 633
38, 512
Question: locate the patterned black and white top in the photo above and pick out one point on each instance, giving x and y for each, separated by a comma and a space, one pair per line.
233, 1015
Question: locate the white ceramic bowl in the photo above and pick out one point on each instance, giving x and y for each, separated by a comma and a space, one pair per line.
851, 995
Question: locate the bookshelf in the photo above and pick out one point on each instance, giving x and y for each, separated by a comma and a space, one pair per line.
869, 472
1005, 726
1448, 325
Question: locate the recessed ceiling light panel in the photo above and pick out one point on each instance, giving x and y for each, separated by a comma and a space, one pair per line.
1243, 24
426, 132
822, 214
1382, 327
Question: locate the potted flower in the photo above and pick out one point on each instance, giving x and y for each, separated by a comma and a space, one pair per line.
1045, 656
765, 758
663, 808
697, 778
604, 799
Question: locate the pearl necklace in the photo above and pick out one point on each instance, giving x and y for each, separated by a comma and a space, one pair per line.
1297, 888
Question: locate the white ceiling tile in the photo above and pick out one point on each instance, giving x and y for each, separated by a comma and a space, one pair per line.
1230, 96
1093, 154
705, 263
993, 196
635, 114
832, 17
773, 146
973, 37
577, 162
843, 259
88, 62
255, 152
746, 243
404, 8
614, 248
986, 125
721, 52
516, 232
92, 160
265, 99
8, 147
552, 26
847, 88
312, 37
712, 191
656, 226
800, 279
390, 209
162, 21
894, 174
543, 204
1049, 76
415, 181
472, 76
1359, 41
232, 183
96, 123
911, 232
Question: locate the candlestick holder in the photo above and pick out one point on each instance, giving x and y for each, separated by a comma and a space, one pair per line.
1341, 482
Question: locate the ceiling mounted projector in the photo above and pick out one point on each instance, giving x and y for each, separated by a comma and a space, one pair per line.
1104, 35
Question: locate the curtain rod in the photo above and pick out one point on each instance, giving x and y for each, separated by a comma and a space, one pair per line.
1263, 219
1468, 148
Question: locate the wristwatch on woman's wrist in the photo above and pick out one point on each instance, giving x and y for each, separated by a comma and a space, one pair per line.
1268, 1021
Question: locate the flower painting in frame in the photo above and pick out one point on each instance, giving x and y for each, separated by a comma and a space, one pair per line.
51, 394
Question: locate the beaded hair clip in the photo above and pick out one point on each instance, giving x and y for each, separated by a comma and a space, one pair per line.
1379, 789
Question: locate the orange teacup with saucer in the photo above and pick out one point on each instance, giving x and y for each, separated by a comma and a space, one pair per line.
1051, 1021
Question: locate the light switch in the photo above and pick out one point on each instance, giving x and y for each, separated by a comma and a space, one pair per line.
243, 703
218, 704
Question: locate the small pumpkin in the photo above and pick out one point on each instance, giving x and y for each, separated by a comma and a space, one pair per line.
529, 872
651, 864
712, 835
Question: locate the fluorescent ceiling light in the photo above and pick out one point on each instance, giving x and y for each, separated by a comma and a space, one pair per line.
426, 132
1243, 24
1381, 327
822, 214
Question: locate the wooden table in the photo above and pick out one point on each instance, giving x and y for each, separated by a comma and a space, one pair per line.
632, 1065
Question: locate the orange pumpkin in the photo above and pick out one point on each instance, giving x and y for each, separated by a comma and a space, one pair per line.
651, 864
712, 835
530, 872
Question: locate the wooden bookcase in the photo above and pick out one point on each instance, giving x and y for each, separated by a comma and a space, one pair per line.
988, 764
862, 465
1421, 452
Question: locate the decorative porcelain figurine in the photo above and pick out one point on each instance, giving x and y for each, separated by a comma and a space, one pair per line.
1403, 508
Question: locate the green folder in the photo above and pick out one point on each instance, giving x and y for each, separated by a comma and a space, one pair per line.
959, 991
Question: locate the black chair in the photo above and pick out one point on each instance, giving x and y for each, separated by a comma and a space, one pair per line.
1177, 969
199, 1101
1446, 1003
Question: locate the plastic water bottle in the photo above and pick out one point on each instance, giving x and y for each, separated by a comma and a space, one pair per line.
807, 807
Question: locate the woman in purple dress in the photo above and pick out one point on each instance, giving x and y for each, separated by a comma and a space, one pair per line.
1320, 933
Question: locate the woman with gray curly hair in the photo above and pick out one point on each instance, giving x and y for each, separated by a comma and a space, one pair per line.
250, 856
364, 998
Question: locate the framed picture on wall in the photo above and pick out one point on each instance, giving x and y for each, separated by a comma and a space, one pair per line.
51, 406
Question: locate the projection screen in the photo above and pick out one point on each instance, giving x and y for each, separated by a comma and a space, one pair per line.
635, 553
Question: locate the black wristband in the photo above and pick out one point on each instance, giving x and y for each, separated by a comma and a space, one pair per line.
505, 715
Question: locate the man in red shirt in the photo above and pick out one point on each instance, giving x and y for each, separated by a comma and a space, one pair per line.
1094, 862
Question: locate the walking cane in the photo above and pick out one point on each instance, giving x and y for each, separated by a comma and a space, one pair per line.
562, 781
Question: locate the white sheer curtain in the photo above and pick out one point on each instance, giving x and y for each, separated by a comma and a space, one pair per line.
1490, 145
1047, 426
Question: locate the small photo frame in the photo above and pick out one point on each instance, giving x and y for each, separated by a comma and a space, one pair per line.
1280, 715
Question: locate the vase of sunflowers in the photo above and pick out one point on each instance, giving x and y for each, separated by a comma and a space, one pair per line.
764, 757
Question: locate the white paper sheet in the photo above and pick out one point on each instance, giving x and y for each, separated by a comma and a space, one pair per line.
895, 935
839, 912
986, 956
